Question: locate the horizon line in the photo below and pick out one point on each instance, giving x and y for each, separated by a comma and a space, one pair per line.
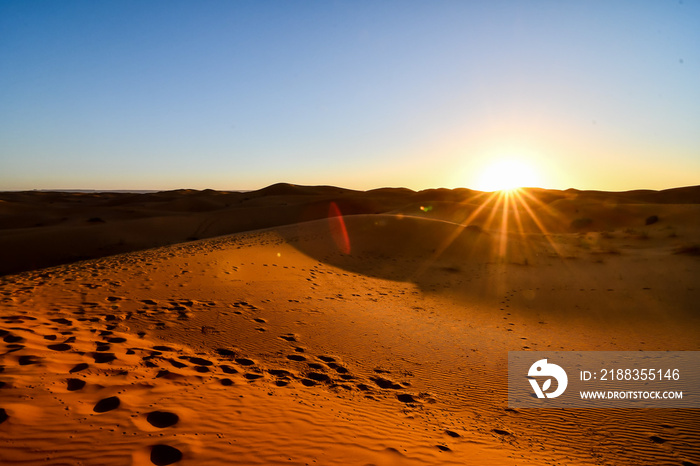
153, 191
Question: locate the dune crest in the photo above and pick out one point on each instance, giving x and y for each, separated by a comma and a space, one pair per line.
283, 346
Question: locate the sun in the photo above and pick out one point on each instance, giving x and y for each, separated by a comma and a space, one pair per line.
506, 174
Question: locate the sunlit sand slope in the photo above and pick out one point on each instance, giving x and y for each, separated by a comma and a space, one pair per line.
367, 340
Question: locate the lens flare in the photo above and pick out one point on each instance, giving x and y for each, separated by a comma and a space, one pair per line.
338, 230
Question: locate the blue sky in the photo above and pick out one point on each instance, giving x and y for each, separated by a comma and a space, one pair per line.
363, 94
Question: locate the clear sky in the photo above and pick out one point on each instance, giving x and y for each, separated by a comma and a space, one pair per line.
361, 94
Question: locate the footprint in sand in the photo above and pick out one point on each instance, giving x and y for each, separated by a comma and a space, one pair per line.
338, 368
162, 455
162, 419
228, 369
79, 367
225, 352
318, 377
280, 373
163, 348
386, 383
102, 358
3, 415
283, 377
107, 404
200, 361
27, 360
14, 347
74, 384
13, 319
167, 375
11, 338
59, 347
406, 398
296, 357
62, 321
177, 363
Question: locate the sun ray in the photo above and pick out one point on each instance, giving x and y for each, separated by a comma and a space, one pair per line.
556, 215
525, 240
516, 212
494, 210
503, 237
505, 212
536, 220
459, 228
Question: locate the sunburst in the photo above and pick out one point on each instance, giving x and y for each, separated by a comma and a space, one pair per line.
507, 174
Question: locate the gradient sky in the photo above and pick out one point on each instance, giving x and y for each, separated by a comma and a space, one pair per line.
361, 94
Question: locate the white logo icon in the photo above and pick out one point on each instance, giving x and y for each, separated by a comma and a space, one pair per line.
542, 368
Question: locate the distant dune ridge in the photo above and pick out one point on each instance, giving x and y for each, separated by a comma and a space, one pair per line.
319, 325
40, 229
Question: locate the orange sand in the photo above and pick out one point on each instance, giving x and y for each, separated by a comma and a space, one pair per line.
276, 346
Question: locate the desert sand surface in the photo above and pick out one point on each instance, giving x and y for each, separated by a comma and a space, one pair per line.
317, 325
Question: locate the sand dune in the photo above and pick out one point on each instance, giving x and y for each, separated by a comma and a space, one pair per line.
375, 338
42, 229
